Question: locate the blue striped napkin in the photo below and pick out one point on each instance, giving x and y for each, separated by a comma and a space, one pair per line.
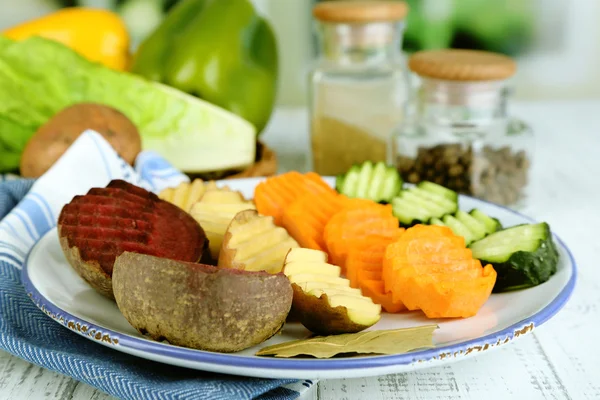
28, 209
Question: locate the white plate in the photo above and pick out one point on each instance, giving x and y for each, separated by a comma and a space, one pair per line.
64, 296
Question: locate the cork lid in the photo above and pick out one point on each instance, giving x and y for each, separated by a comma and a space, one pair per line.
360, 11
462, 65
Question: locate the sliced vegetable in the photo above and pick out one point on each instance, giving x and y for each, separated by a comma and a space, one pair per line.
350, 226
378, 182
438, 189
471, 227
491, 224
429, 268
273, 195
523, 255
374, 289
305, 218
424, 202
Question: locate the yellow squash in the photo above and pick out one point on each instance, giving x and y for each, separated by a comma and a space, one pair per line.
99, 35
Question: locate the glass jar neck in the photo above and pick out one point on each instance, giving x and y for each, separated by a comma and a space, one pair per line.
360, 45
462, 103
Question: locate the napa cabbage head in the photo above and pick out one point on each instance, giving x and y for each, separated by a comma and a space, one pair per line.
39, 78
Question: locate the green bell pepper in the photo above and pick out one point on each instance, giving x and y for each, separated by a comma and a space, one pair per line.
219, 50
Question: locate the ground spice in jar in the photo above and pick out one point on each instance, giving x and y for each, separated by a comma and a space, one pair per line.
337, 145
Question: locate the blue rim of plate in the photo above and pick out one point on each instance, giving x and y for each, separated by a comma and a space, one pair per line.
492, 340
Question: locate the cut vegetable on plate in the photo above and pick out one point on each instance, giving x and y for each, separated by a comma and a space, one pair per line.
215, 210
305, 218
377, 182
523, 255
353, 224
364, 269
252, 242
273, 195
472, 226
323, 300
200, 306
97, 227
185, 195
423, 202
429, 268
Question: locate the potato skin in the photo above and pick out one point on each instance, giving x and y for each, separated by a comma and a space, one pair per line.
90, 271
200, 306
319, 317
53, 138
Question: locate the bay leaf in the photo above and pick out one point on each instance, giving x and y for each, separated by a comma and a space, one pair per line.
387, 341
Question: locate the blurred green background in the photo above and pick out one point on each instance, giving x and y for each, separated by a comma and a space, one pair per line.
556, 42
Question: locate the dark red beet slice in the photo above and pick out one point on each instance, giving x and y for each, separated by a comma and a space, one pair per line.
122, 217
107, 222
121, 194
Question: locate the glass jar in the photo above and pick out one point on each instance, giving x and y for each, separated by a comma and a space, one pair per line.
458, 132
359, 86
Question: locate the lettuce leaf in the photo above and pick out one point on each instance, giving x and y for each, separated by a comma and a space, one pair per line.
39, 78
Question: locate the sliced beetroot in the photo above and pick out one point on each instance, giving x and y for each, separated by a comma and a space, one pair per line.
121, 194
116, 201
122, 217
106, 222
107, 234
104, 211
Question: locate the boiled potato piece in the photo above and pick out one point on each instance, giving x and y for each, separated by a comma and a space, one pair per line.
323, 301
302, 267
185, 194
214, 212
200, 306
306, 255
253, 242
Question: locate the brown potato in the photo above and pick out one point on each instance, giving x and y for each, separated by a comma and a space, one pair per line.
319, 317
253, 242
323, 301
53, 138
200, 306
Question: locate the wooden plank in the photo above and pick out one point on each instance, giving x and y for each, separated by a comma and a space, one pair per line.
20, 380
83, 391
520, 370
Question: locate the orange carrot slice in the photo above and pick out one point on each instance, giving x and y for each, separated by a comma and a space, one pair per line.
459, 298
374, 289
429, 269
350, 226
306, 217
273, 195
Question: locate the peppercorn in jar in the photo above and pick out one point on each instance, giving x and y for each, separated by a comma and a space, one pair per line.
459, 133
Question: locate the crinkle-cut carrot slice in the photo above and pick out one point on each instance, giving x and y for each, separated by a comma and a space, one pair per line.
306, 217
368, 253
374, 290
274, 194
348, 227
405, 275
415, 250
457, 298
365, 274
316, 184
431, 270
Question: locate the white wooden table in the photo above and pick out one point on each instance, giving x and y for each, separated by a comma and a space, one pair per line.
560, 360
